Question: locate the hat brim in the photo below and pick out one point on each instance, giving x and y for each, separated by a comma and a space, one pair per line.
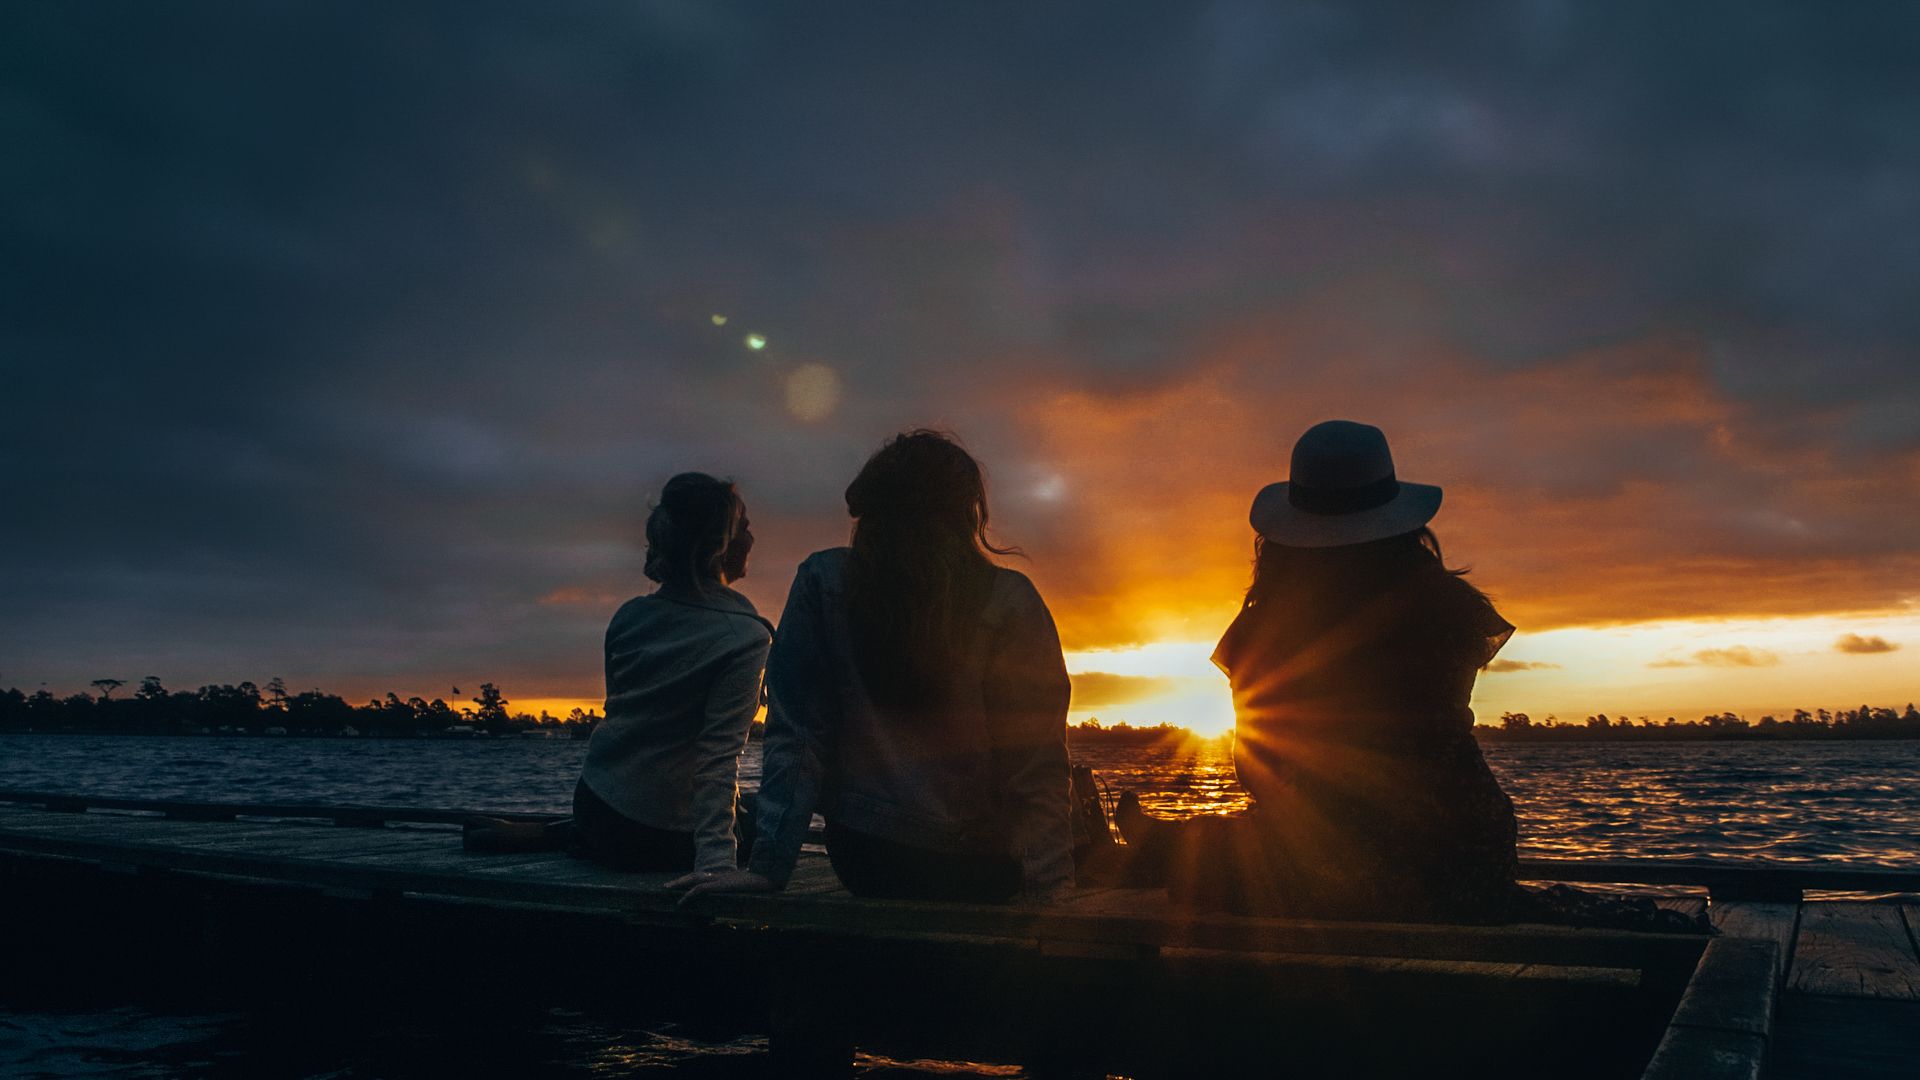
1280, 521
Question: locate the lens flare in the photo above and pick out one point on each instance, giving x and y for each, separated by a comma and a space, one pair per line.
756, 342
813, 392
719, 320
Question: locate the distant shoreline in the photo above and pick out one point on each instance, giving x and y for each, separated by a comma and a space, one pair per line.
1170, 737
249, 711
1571, 735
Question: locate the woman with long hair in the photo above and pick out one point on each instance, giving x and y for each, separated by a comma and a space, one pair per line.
1352, 660
657, 790
917, 700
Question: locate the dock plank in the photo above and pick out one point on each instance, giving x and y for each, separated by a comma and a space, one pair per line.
447, 872
151, 832
277, 839
298, 840
1732, 989
1761, 920
333, 843
1720, 1029
1855, 950
559, 868
52, 823
1118, 901
447, 860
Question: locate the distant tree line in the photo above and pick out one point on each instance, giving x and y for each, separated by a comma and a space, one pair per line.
152, 709
1125, 734
1865, 722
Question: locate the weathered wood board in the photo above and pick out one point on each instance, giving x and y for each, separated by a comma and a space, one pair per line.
1761, 921
1855, 950
396, 860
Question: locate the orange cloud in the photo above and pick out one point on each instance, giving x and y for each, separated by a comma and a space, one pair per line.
1854, 643
1732, 656
1101, 689
1614, 485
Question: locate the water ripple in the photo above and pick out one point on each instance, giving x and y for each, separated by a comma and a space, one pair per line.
1837, 803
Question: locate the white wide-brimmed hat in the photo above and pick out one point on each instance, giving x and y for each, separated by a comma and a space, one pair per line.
1342, 490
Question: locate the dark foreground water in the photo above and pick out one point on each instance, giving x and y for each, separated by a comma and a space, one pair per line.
1833, 803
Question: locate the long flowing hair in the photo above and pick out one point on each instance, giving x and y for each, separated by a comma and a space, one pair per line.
1324, 602
690, 530
1348, 573
920, 571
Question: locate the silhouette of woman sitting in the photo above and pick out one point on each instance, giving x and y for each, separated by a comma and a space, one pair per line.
918, 700
657, 790
1351, 661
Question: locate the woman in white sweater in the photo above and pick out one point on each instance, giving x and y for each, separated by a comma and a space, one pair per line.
684, 664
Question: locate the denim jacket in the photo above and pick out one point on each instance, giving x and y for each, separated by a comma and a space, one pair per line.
993, 777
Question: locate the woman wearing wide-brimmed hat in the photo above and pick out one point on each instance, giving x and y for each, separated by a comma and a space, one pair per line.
1352, 661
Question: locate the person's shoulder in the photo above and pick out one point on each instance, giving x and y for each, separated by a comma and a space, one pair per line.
734, 617
1006, 577
731, 600
632, 609
827, 566
1014, 594
827, 559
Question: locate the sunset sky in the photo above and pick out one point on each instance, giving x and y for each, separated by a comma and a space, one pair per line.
346, 343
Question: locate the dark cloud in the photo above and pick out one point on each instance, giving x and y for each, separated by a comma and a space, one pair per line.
1858, 645
340, 339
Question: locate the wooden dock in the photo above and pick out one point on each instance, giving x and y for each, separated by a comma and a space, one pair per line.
1115, 979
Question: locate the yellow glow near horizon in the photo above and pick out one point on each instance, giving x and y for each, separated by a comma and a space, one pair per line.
1687, 668
1682, 668
1197, 698
557, 707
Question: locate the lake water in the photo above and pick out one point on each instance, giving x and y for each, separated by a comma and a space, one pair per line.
1854, 803
1836, 802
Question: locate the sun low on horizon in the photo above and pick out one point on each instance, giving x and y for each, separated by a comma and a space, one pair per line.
1642, 673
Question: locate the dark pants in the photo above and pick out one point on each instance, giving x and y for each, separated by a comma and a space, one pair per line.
883, 870
612, 839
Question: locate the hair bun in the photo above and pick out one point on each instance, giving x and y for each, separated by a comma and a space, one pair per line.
690, 528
